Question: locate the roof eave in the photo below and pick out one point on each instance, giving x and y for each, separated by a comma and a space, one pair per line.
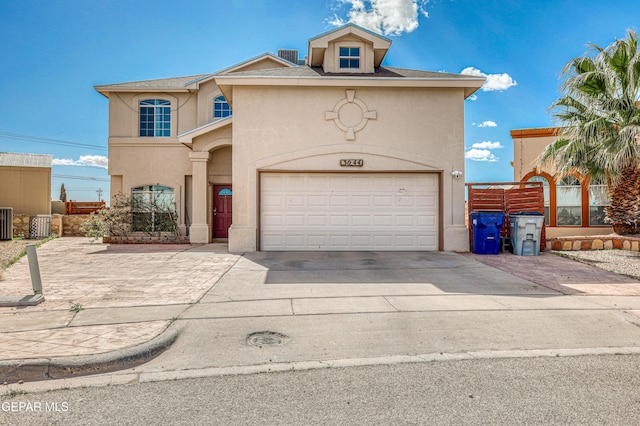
187, 138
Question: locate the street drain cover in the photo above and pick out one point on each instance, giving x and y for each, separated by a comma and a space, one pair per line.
267, 338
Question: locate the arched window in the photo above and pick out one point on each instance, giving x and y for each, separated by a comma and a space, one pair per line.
221, 108
547, 197
569, 202
224, 191
155, 118
153, 209
598, 199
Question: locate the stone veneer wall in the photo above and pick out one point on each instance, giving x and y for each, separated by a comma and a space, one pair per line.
599, 242
21, 225
71, 225
61, 225
139, 238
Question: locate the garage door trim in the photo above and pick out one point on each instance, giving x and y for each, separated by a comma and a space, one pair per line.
440, 197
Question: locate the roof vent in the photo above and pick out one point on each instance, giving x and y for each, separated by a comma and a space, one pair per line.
289, 55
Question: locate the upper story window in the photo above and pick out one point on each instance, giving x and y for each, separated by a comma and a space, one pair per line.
155, 118
350, 57
221, 108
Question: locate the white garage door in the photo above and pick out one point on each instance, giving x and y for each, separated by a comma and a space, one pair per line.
349, 211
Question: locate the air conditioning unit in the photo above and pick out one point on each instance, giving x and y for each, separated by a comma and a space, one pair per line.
289, 55
6, 223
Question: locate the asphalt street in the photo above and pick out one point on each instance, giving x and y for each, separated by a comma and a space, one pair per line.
589, 390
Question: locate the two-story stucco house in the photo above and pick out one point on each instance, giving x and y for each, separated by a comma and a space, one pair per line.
336, 153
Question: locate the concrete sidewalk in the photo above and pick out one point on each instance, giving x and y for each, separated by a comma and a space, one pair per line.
137, 300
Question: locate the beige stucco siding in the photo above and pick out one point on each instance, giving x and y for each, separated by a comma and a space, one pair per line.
124, 117
526, 152
286, 128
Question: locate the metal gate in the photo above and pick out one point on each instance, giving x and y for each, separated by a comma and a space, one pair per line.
40, 226
6, 223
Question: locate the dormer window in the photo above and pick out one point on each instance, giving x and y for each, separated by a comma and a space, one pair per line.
221, 108
349, 57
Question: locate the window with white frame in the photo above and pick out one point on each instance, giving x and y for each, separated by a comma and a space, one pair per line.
598, 200
547, 198
569, 202
349, 57
153, 208
221, 108
155, 118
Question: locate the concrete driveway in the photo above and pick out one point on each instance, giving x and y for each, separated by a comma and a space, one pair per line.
321, 308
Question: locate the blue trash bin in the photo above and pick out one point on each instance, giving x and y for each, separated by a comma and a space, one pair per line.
486, 231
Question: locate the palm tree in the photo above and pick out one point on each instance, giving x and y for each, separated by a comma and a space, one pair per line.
599, 112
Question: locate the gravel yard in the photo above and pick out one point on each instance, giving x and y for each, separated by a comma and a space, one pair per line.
12, 248
621, 262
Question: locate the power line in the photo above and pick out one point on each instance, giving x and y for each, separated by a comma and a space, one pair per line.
80, 177
50, 141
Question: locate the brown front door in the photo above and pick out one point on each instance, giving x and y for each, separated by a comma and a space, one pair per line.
221, 210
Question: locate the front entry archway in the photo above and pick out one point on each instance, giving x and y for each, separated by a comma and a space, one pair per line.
221, 210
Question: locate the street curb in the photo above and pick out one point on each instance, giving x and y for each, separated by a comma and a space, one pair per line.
28, 370
298, 366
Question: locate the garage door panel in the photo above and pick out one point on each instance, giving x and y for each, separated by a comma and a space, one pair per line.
405, 221
339, 220
340, 242
361, 201
338, 200
361, 220
426, 221
317, 241
295, 220
404, 201
317, 200
317, 220
349, 211
423, 201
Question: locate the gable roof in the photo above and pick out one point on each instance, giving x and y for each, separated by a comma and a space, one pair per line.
244, 64
318, 44
187, 83
175, 84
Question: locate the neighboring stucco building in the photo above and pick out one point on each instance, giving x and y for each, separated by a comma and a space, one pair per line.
25, 183
338, 153
574, 205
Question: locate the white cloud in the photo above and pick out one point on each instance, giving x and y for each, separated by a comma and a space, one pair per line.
480, 155
383, 16
488, 123
487, 145
494, 82
84, 160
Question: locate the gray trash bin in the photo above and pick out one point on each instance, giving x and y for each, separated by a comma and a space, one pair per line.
526, 229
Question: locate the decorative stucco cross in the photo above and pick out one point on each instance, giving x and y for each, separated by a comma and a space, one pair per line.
350, 115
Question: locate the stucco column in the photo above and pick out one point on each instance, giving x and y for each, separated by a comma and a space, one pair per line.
199, 230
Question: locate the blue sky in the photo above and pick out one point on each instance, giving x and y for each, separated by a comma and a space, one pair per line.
54, 52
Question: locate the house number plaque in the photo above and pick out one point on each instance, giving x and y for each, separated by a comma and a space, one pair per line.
351, 163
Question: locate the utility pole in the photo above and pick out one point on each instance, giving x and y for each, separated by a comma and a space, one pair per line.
99, 191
